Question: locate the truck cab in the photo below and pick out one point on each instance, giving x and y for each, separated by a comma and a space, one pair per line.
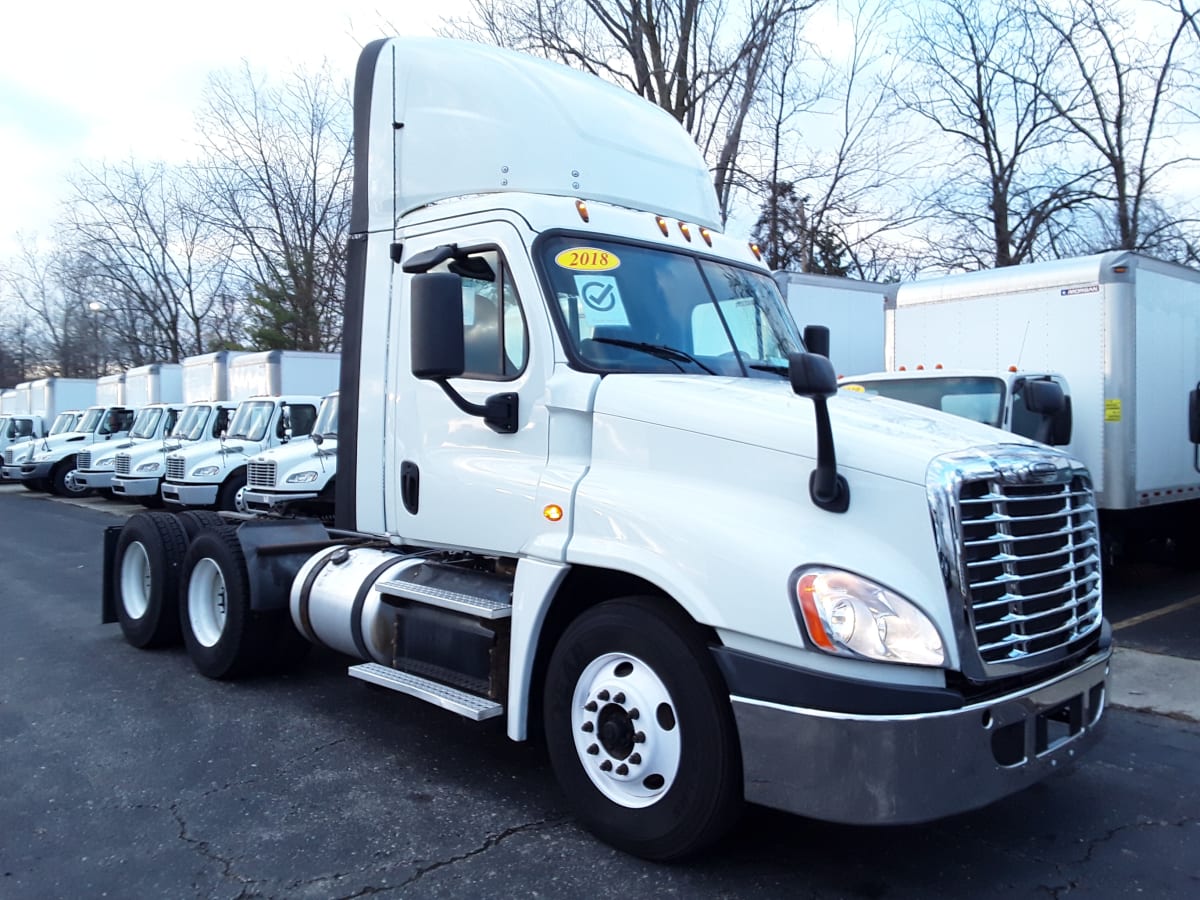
54, 459
210, 473
16, 428
297, 476
96, 470
15, 455
138, 471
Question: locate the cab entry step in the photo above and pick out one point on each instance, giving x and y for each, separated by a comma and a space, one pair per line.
458, 601
470, 706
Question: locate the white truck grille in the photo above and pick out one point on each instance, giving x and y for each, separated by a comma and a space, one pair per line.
10, 456
83, 460
122, 464
260, 474
175, 468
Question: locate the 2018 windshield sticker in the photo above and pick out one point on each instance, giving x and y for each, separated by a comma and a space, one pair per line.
602, 304
587, 259
856, 388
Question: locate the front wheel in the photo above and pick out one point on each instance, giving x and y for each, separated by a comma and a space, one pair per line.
62, 480
640, 731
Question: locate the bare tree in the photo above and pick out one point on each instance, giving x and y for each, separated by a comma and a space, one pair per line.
701, 60
277, 178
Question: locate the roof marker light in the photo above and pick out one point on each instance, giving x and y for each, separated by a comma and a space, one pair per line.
1012, 368
583, 210
754, 248
662, 226
707, 235
685, 231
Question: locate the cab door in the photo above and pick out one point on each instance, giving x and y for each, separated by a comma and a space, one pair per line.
452, 480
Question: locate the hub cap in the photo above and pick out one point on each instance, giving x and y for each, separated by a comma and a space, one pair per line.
625, 730
135, 580
207, 603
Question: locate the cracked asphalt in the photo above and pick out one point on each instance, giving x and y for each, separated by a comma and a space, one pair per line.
125, 773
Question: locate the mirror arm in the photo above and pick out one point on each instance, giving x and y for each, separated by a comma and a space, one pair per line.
499, 411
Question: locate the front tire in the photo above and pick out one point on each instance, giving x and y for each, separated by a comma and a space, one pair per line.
150, 549
227, 493
640, 730
61, 482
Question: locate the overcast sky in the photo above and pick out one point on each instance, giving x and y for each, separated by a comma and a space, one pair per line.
110, 79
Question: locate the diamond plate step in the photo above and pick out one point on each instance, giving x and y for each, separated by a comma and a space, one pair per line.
483, 607
471, 706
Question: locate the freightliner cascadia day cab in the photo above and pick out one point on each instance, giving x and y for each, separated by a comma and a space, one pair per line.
48, 406
300, 476
156, 392
53, 461
279, 394
139, 471
591, 482
1123, 329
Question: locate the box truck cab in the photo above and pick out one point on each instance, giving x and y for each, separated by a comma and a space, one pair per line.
44, 407
51, 463
1036, 405
97, 469
592, 482
299, 476
210, 474
138, 471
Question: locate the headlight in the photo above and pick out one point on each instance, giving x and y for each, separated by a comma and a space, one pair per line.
847, 615
149, 467
106, 463
302, 477
204, 471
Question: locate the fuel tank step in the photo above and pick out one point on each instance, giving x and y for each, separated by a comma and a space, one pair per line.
471, 604
470, 706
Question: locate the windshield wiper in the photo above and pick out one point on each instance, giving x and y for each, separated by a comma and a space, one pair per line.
768, 367
671, 354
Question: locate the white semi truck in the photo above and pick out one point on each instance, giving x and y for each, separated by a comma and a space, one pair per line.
1123, 331
855, 311
591, 483
39, 409
156, 392
281, 391
300, 476
139, 471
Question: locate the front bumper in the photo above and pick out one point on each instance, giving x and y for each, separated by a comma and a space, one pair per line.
135, 487
261, 501
898, 768
95, 479
30, 471
189, 494
11, 473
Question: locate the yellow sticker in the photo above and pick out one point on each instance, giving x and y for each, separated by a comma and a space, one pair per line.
1112, 410
587, 259
857, 388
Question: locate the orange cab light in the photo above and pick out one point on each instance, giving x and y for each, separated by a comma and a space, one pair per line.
707, 235
583, 210
921, 367
1120, 270
808, 608
662, 226
1012, 368
902, 369
685, 231
553, 512
938, 366
754, 248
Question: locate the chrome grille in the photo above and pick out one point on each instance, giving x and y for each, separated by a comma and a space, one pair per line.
122, 464
10, 456
175, 468
83, 460
1022, 547
260, 474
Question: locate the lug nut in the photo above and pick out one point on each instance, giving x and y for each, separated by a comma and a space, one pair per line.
603, 695
606, 766
591, 706
619, 698
589, 727
635, 759
594, 749
640, 737
633, 713
622, 769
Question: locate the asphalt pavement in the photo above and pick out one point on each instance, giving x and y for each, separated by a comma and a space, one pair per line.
124, 773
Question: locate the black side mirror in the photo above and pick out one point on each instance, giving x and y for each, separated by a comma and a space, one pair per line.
812, 376
811, 373
1194, 416
438, 350
1045, 398
816, 339
1060, 431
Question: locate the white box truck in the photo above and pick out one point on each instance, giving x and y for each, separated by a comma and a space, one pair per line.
275, 406
854, 311
299, 477
55, 406
591, 483
208, 406
155, 391
1123, 329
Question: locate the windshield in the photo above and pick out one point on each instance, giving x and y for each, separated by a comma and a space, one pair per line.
629, 308
252, 419
64, 422
146, 422
190, 426
91, 419
327, 418
973, 397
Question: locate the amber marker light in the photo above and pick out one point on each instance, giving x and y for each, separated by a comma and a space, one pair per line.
662, 226
808, 608
757, 251
553, 512
582, 207
707, 235
685, 230
1012, 368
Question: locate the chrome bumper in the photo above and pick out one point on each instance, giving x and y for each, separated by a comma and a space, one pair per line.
190, 494
94, 479
135, 487
258, 501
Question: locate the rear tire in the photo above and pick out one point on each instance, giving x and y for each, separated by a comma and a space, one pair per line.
225, 638
640, 730
195, 521
150, 550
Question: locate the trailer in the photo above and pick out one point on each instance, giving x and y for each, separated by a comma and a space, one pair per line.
592, 482
854, 312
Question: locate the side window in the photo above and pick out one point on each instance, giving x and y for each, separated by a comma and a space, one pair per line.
220, 422
494, 333
303, 417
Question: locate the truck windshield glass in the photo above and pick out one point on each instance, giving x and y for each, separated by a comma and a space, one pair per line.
251, 420
627, 308
327, 419
64, 422
146, 422
91, 419
973, 397
190, 426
